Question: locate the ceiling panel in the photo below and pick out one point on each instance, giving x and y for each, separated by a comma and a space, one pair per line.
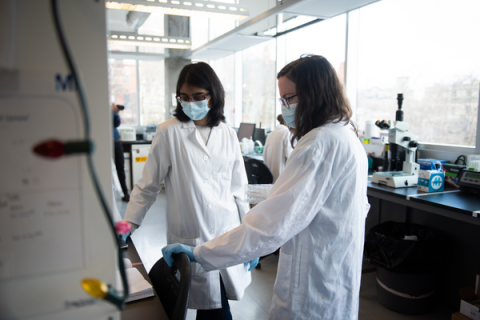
326, 8
229, 45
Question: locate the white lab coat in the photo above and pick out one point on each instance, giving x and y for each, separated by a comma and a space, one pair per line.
277, 149
316, 212
205, 189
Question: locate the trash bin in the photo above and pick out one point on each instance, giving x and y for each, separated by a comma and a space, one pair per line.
407, 257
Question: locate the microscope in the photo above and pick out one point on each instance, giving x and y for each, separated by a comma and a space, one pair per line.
399, 176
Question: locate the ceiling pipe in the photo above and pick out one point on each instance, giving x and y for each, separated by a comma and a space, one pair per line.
136, 19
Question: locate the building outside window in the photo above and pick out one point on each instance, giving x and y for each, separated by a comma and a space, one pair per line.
325, 38
431, 57
152, 92
259, 83
122, 83
144, 101
225, 70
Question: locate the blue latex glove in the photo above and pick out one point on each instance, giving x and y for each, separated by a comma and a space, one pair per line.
125, 236
169, 250
253, 263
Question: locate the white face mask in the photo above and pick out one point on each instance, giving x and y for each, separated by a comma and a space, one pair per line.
196, 110
289, 115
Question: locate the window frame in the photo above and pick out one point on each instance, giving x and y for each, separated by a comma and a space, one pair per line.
137, 56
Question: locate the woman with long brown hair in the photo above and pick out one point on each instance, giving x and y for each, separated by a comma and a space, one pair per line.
316, 209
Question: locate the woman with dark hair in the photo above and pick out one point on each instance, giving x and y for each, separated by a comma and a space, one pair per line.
198, 157
316, 209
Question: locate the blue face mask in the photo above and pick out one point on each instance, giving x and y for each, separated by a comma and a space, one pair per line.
289, 115
196, 110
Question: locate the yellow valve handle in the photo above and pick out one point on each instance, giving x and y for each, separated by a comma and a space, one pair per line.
95, 288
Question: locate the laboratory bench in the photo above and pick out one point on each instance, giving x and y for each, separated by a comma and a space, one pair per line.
452, 212
256, 156
148, 308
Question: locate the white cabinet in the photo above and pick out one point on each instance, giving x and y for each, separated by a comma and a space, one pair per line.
139, 157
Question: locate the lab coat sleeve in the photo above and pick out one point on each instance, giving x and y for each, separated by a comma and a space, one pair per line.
239, 184
148, 186
287, 146
293, 203
367, 207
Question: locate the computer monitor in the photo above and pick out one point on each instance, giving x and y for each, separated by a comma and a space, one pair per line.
246, 130
260, 135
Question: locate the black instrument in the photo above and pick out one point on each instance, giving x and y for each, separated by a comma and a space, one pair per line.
469, 181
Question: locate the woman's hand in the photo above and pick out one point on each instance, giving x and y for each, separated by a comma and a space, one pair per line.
171, 249
253, 263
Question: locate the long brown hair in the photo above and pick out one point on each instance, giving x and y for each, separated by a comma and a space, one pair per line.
321, 97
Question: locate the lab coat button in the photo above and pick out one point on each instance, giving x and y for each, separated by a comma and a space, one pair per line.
205, 158
211, 231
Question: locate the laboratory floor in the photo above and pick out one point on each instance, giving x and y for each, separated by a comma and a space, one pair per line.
255, 305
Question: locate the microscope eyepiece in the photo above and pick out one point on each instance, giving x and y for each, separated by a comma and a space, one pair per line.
399, 113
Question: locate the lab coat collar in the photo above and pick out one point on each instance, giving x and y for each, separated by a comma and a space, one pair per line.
188, 124
199, 140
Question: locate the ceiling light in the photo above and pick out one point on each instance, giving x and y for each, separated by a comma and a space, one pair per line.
130, 38
181, 8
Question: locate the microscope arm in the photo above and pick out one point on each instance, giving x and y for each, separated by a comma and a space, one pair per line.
409, 165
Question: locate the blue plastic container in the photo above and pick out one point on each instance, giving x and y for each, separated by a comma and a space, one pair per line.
431, 164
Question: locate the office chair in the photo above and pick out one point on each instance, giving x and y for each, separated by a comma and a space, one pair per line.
173, 285
258, 172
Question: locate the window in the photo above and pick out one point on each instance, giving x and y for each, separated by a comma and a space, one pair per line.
152, 92
325, 38
144, 101
122, 82
427, 50
259, 83
225, 70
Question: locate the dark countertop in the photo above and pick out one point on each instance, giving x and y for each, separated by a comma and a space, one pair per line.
452, 202
400, 192
256, 156
458, 201
137, 142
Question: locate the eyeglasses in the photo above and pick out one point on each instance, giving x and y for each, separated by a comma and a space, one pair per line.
284, 102
184, 98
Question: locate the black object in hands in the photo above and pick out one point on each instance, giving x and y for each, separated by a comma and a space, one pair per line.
120, 107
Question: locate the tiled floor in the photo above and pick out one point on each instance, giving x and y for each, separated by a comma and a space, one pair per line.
255, 305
